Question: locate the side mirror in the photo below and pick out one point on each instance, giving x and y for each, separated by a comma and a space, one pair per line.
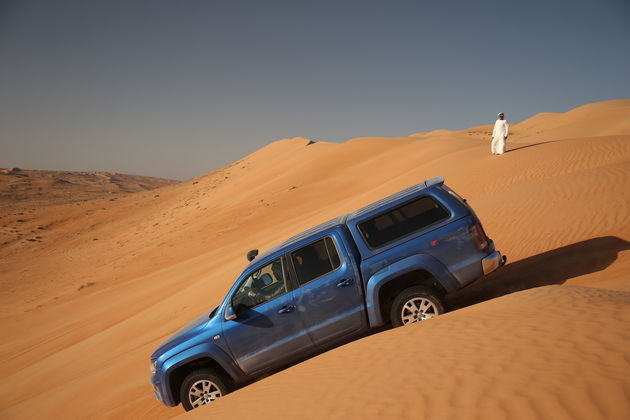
252, 254
229, 313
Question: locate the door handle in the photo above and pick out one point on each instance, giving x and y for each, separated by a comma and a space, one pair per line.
345, 283
286, 309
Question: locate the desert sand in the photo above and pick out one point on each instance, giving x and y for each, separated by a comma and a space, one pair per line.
44, 188
547, 336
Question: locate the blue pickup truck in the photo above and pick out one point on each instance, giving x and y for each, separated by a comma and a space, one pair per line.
388, 264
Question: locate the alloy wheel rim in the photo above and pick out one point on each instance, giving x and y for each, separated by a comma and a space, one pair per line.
417, 309
202, 392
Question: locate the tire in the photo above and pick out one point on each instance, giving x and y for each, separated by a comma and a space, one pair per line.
201, 387
415, 304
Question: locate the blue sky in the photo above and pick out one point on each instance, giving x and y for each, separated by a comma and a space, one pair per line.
179, 88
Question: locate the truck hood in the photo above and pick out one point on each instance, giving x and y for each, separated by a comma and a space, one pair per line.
184, 333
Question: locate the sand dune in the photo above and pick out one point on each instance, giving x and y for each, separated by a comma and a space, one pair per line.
465, 365
600, 119
109, 280
590, 120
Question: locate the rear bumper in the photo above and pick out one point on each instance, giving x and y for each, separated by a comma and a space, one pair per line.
492, 262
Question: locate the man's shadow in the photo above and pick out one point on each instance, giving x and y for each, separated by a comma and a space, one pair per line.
529, 145
551, 267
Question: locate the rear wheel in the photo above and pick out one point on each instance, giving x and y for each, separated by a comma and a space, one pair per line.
201, 387
415, 304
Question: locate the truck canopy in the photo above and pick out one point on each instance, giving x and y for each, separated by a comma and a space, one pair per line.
341, 220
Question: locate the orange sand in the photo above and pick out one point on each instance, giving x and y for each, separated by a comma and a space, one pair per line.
82, 310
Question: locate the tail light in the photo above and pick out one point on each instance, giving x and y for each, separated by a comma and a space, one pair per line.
479, 237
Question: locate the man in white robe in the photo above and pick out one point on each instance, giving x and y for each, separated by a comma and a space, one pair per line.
499, 135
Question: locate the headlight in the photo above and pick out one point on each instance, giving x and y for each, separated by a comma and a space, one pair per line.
153, 365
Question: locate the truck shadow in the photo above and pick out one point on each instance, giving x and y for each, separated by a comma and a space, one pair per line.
551, 267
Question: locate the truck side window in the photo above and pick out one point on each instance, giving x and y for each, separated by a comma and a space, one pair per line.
402, 221
315, 260
260, 286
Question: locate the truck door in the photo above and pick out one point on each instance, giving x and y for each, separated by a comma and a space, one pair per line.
328, 293
267, 332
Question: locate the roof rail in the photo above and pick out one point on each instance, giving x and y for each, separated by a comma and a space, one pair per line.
439, 180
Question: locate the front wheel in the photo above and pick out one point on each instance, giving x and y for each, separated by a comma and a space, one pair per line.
201, 387
415, 304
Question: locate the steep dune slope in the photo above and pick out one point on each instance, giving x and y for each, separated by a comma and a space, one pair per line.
111, 279
465, 365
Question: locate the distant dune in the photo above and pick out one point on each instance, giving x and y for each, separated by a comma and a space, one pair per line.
92, 287
34, 187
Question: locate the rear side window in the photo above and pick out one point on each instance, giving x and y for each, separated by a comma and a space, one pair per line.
315, 260
402, 221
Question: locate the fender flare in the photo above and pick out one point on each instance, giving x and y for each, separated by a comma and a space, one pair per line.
200, 351
406, 265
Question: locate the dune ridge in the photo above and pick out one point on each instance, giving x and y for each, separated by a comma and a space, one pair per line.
111, 279
598, 119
